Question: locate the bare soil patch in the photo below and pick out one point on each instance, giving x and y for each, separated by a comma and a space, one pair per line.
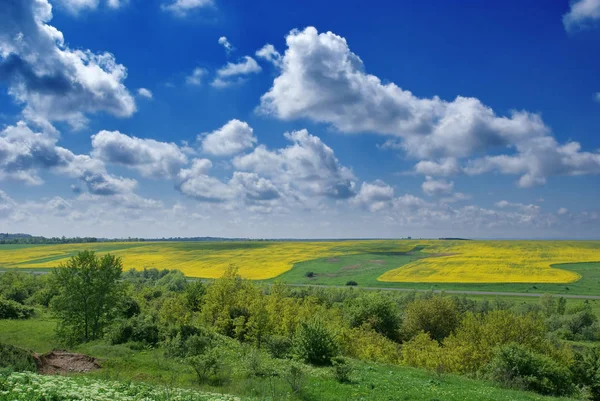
350, 267
333, 260
61, 362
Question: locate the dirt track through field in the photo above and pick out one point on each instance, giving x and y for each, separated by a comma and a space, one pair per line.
499, 293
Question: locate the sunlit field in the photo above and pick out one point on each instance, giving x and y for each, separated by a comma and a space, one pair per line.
496, 262
255, 260
418, 261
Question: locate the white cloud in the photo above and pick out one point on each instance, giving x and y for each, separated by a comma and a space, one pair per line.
143, 92
597, 97
562, 211
234, 73
77, 6
308, 164
181, 8
232, 138
322, 80
504, 204
226, 44
151, 158
446, 167
24, 153
196, 77
52, 81
270, 54
583, 14
434, 187
537, 159
374, 196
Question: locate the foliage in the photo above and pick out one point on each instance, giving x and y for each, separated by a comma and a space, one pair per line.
279, 346
435, 315
16, 359
207, 366
34, 387
89, 292
423, 352
13, 310
351, 283
378, 312
314, 343
366, 344
341, 369
586, 370
516, 366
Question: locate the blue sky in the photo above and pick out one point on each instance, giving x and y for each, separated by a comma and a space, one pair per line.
300, 119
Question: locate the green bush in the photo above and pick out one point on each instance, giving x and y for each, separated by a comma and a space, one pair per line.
586, 371
516, 366
279, 346
140, 329
207, 366
314, 344
378, 312
341, 369
16, 359
351, 283
13, 310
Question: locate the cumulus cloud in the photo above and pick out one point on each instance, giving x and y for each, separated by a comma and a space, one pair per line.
537, 159
583, 14
195, 78
223, 41
150, 157
143, 92
24, 153
234, 73
374, 196
322, 80
597, 97
52, 81
77, 6
308, 164
181, 8
232, 138
433, 187
270, 54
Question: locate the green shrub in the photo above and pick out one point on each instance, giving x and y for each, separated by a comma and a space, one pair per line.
516, 366
586, 371
294, 375
279, 346
341, 369
309, 274
120, 332
314, 344
351, 283
16, 359
207, 366
13, 310
378, 312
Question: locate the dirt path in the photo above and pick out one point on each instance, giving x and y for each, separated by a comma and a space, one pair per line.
499, 293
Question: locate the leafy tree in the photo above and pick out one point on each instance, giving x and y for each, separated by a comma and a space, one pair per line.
378, 312
314, 343
436, 315
89, 293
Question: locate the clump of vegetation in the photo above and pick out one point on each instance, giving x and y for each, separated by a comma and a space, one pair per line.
13, 310
16, 359
341, 369
351, 283
314, 343
514, 365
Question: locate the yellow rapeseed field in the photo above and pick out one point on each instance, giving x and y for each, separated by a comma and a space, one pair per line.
444, 261
495, 262
255, 260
